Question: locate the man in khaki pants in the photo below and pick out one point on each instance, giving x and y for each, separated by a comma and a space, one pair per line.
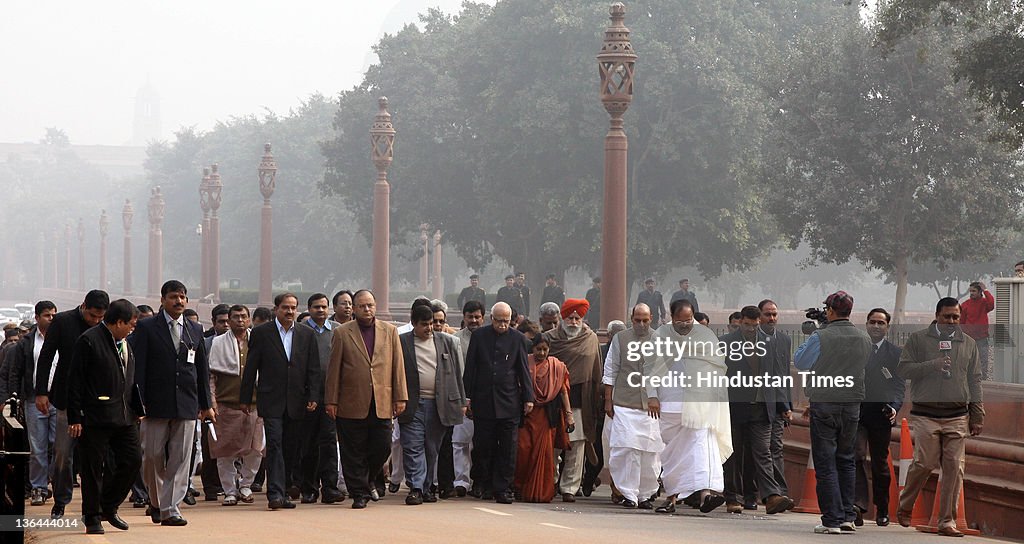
941, 363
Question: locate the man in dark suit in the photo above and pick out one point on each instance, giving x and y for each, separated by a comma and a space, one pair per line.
512, 295
101, 414
779, 347
472, 292
752, 410
499, 391
67, 326
284, 367
174, 381
883, 397
437, 400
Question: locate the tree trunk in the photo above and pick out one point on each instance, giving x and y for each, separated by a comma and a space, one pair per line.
899, 309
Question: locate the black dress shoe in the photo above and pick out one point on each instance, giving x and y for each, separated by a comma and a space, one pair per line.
446, 494
645, 505
93, 526
628, 503
57, 511
115, 521
139, 503
859, 520
359, 503
414, 498
174, 521
210, 498
153, 513
476, 492
882, 520
504, 498
256, 488
460, 491
308, 498
277, 504
294, 492
333, 498
710, 502
750, 506
429, 497
487, 496
190, 499
393, 488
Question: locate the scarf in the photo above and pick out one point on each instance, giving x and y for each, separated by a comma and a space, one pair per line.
224, 355
548, 379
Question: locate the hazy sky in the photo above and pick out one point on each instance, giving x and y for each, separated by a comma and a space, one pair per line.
77, 65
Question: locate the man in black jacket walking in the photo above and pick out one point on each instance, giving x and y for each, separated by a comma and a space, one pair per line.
101, 414
65, 329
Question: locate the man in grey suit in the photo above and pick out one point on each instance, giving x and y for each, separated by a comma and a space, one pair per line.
436, 393
284, 367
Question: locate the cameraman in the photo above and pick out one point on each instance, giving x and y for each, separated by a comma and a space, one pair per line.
840, 350
941, 363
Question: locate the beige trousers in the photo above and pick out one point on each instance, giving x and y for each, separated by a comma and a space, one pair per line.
938, 443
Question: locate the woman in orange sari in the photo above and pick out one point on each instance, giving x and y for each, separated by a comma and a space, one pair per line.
545, 428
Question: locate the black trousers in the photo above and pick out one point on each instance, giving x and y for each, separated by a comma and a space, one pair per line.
873, 435
365, 447
105, 485
495, 443
754, 432
319, 455
446, 463
592, 471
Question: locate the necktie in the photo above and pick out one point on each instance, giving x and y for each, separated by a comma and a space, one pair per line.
175, 335
122, 350
874, 349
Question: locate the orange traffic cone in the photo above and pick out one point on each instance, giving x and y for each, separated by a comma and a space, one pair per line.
920, 513
932, 526
809, 498
961, 516
894, 488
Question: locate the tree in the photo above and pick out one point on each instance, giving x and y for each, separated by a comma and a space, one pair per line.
311, 232
988, 51
499, 144
883, 158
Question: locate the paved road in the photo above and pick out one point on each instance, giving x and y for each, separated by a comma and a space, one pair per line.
590, 520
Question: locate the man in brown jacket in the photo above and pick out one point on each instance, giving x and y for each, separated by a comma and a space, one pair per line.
941, 363
365, 389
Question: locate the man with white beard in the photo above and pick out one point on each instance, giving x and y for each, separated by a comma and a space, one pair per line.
634, 438
695, 425
576, 345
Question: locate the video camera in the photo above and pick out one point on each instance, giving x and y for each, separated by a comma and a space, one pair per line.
816, 320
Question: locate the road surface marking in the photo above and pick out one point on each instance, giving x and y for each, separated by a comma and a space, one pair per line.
489, 511
557, 526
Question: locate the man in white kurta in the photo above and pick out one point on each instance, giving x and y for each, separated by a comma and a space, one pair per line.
695, 425
634, 437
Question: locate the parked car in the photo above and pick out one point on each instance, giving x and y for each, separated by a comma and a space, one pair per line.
27, 310
9, 315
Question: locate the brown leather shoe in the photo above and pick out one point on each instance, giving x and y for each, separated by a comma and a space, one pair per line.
903, 517
734, 508
568, 497
777, 503
950, 531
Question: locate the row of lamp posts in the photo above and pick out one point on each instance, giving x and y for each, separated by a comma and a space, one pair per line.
616, 63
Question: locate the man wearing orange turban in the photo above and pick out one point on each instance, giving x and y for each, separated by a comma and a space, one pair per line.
576, 345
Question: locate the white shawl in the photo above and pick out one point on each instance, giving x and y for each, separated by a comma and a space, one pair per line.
224, 356
697, 407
